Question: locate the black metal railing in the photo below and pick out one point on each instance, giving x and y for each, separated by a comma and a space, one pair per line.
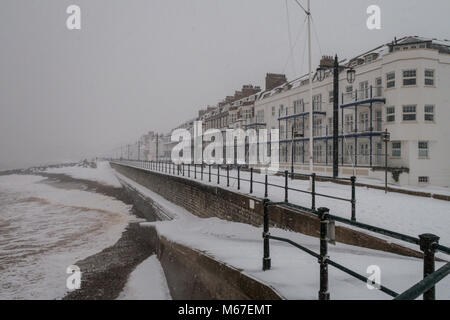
185, 171
428, 243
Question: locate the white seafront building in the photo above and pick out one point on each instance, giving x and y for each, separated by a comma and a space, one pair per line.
403, 86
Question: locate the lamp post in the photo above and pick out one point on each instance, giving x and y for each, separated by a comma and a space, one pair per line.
386, 137
327, 63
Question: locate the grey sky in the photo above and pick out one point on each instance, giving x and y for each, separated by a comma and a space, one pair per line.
140, 65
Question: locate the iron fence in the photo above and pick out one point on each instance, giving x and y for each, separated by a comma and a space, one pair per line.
218, 172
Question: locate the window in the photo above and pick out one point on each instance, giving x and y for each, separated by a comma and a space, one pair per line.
317, 127
378, 87
429, 113
330, 126
423, 149
396, 149
298, 106
390, 80
409, 77
273, 111
349, 122
390, 114
429, 77
348, 89
364, 89
260, 116
330, 96
409, 113
317, 152
364, 121
281, 110
317, 102
424, 179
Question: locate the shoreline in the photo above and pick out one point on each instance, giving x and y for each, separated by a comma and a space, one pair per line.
104, 274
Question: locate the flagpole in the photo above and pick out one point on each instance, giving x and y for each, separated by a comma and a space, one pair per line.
311, 108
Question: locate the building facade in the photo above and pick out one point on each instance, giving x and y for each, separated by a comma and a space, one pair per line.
401, 87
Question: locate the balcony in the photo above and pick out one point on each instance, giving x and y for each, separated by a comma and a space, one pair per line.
368, 95
254, 123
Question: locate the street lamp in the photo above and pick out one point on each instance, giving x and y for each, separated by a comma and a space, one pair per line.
386, 137
328, 64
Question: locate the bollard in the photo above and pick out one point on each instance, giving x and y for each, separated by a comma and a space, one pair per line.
239, 178
323, 292
209, 173
266, 186
228, 175
428, 243
353, 179
313, 191
251, 180
286, 186
266, 234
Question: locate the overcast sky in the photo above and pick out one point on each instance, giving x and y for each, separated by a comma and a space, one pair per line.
141, 65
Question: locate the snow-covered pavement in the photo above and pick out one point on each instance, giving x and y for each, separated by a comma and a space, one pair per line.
146, 282
294, 274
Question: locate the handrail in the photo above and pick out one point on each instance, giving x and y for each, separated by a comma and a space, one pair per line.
267, 184
426, 284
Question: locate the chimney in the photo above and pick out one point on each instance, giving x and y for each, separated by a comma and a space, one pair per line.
327, 61
249, 90
274, 80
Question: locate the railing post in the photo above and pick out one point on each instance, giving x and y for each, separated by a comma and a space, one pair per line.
183, 169
189, 170
251, 180
266, 234
209, 173
313, 191
239, 178
428, 243
286, 173
201, 172
218, 174
323, 292
228, 175
353, 179
266, 186
195, 171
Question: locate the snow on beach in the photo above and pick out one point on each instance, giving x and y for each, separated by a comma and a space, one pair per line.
44, 229
146, 282
295, 274
103, 173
